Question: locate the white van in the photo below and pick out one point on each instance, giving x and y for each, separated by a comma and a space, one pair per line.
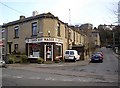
71, 55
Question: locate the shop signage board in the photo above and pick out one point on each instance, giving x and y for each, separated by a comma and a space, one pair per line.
37, 40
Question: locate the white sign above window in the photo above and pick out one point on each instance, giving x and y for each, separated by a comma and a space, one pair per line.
38, 40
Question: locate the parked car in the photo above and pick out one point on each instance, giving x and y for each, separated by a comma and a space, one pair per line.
108, 46
100, 53
2, 63
71, 55
96, 58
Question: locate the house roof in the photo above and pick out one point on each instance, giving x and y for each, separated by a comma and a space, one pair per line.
44, 15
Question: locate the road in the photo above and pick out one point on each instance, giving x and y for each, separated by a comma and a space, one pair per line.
65, 74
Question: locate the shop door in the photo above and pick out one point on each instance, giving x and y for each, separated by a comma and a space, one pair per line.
48, 49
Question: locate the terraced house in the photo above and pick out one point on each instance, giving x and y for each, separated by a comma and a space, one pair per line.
42, 35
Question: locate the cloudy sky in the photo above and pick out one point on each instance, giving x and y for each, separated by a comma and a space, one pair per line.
81, 11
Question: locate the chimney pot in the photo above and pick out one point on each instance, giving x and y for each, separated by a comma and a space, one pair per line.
22, 17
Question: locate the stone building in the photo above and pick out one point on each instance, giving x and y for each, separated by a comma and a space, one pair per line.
41, 35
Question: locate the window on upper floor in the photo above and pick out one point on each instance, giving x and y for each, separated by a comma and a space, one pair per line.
74, 37
77, 37
69, 34
16, 32
58, 29
3, 33
3, 50
66, 32
34, 29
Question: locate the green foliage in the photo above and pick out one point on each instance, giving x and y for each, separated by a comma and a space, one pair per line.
24, 58
40, 60
11, 59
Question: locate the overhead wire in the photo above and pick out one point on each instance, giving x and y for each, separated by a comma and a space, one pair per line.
12, 8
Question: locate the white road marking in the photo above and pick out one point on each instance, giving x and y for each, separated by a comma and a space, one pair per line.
49, 78
34, 77
18, 77
67, 80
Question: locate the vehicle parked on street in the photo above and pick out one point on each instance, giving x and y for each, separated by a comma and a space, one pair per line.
2, 63
71, 55
108, 46
99, 53
97, 58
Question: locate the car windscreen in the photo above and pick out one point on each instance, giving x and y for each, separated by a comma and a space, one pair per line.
67, 52
71, 53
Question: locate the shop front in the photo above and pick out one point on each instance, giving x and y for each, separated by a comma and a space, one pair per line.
47, 48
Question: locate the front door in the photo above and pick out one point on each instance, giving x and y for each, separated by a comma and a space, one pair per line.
48, 49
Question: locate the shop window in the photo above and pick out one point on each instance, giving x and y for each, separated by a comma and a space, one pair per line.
58, 50
16, 32
34, 29
34, 50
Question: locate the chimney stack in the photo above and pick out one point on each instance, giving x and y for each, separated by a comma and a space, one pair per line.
35, 13
22, 17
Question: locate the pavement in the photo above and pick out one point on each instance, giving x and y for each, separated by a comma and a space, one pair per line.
35, 65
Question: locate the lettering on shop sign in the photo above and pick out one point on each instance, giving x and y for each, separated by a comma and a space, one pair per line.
35, 40
48, 39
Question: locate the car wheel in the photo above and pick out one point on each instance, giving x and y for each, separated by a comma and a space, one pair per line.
65, 60
74, 59
101, 61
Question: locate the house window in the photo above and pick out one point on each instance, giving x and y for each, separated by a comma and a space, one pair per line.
16, 47
74, 36
16, 32
66, 32
69, 34
3, 50
58, 29
34, 29
77, 37
3, 33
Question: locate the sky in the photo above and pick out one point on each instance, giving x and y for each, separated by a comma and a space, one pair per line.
95, 12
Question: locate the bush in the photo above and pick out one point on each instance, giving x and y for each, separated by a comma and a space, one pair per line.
11, 59
40, 60
24, 58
